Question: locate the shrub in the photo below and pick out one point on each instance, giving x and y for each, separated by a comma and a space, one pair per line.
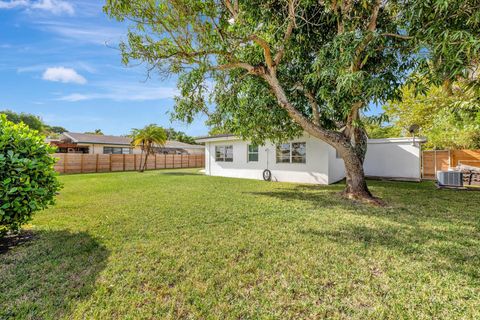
28, 182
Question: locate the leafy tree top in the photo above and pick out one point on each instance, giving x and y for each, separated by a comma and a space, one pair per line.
449, 119
330, 58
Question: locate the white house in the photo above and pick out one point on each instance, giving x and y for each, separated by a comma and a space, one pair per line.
308, 159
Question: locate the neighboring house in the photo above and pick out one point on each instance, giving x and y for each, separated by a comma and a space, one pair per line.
308, 159
71, 142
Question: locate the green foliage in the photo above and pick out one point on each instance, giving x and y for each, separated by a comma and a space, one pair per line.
172, 134
97, 132
336, 52
378, 131
148, 138
149, 135
27, 179
448, 119
56, 129
33, 122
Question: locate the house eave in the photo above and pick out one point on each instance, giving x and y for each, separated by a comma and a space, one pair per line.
397, 140
217, 138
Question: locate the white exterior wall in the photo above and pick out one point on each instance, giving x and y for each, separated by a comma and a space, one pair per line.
393, 158
336, 167
315, 170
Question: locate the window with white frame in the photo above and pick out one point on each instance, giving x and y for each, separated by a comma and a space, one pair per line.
295, 152
117, 150
252, 153
224, 153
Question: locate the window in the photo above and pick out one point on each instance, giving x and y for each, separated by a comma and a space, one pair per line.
299, 154
117, 150
224, 153
252, 153
295, 152
283, 153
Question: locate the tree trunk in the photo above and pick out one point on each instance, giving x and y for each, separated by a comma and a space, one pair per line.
356, 186
351, 148
140, 169
145, 161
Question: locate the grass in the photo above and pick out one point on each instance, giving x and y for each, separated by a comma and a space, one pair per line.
175, 244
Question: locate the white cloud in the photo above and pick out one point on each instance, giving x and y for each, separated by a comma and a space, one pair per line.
53, 6
13, 4
84, 33
77, 65
63, 74
124, 92
74, 97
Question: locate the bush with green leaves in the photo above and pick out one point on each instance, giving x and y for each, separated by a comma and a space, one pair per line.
28, 181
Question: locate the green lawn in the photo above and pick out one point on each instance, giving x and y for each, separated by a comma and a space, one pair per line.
176, 244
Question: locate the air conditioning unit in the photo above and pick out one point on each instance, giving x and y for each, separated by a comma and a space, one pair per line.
450, 178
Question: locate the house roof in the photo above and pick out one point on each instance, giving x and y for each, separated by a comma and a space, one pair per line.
118, 140
97, 139
216, 137
181, 145
226, 137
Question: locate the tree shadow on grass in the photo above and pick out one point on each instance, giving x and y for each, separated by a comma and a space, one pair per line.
181, 174
45, 277
439, 227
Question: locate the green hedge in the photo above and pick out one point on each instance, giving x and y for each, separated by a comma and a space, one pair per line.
28, 182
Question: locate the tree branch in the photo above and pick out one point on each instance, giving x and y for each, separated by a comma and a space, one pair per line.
232, 8
288, 32
312, 101
266, 50
394, 35
372, 25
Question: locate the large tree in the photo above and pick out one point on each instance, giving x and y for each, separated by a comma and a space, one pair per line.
449, 119
275, 69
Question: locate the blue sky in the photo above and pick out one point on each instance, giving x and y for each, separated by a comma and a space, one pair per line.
58, 60
54, 62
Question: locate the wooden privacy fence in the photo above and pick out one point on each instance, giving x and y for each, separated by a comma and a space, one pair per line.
440, 160
89, 163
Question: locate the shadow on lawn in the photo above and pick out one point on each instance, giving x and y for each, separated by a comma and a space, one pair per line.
439, 227
181, 174
46, 277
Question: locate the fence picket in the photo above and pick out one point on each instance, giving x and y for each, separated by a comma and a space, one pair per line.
85, 163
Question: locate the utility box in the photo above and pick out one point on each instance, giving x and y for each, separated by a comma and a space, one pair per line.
450, 178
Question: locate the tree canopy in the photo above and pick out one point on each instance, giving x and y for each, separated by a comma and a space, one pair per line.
147, 139
173, 134
33, 122
275, 69
97, 132
449, 119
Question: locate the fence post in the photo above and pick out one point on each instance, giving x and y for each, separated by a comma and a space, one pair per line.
81, 163
96, 163
181, 161
124, 162
135, 162
65, 163
110, 162
155, 161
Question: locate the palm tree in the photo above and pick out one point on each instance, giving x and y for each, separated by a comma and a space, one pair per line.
147, 138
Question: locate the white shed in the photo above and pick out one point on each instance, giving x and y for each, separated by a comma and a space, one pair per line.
308, 159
